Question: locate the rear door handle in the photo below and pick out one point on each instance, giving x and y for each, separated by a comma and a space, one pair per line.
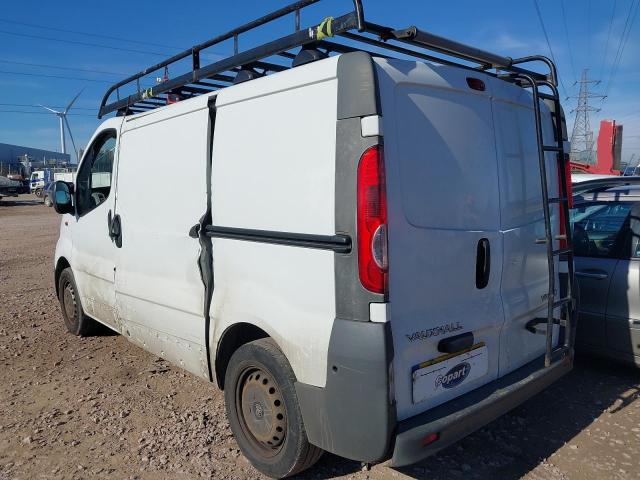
483, 263
456, 344
596, 275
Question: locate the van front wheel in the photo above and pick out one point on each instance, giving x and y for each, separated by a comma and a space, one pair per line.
74, 318
263, 411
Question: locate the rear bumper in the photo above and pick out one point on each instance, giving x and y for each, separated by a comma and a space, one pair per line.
354, 416
460, 417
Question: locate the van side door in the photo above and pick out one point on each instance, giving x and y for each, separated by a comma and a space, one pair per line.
162, 193
92, 257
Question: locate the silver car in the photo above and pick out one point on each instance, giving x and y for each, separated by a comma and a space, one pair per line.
606, 235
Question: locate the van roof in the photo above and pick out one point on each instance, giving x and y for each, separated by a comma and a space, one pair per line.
347, 33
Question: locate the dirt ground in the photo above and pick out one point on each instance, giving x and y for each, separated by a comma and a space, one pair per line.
100, 407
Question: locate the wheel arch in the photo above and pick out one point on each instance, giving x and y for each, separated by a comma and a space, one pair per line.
231, 339
60, 266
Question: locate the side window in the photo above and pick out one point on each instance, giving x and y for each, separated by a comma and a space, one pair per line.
633, 239
93, 182
597, 227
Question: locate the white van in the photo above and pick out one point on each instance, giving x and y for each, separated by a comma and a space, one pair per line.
360, 250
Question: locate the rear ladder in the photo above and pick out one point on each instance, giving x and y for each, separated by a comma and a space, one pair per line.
566, 303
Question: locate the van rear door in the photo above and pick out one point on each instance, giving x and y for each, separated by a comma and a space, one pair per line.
525, 277
445, 248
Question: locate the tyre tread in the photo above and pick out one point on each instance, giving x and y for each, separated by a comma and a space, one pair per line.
306, 454
85, 324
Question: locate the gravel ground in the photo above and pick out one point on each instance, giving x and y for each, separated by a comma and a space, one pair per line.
100, 407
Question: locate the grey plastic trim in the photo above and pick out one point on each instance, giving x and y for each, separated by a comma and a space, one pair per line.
462, 416
357, 97
353, 415
352, 299
357, 90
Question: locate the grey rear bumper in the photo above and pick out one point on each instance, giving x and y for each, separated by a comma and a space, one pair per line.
460, 417
354, 416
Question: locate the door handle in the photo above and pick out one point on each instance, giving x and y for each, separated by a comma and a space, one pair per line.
456, 344
597, 276
115, 229
483, 263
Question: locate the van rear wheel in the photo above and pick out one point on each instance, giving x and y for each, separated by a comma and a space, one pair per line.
263, 411
74, 318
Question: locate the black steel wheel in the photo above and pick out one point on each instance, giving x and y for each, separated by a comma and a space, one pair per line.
263, 411
262, 415
74, 318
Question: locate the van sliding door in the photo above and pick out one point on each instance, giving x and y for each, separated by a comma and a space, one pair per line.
161, 195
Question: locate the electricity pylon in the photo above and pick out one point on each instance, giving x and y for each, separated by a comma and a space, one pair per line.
582, 135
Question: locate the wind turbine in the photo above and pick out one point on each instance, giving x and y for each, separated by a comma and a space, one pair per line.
62, 116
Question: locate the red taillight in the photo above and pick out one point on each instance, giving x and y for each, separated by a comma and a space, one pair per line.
567, 175
372, 220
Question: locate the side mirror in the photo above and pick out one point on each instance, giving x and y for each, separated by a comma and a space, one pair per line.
62, 197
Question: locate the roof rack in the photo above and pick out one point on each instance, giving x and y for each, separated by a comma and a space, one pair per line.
270, 57
600, 184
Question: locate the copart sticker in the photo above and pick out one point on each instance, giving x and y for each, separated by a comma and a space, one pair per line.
435, 377
455, 376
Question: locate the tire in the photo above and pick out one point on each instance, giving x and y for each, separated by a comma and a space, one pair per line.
47, 201
263, 411
38, 192
74, 317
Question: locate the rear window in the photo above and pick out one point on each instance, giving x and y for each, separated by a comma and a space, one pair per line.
597, 227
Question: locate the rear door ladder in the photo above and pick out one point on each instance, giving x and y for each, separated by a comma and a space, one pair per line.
567, 318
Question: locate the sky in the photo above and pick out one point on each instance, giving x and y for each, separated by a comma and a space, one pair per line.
125, 37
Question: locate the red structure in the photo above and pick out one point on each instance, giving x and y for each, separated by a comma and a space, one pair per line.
608, 154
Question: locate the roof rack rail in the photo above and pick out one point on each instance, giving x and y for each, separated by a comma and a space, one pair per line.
267, 58
599, 184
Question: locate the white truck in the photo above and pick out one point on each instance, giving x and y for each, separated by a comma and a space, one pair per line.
362, 250
40, 178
